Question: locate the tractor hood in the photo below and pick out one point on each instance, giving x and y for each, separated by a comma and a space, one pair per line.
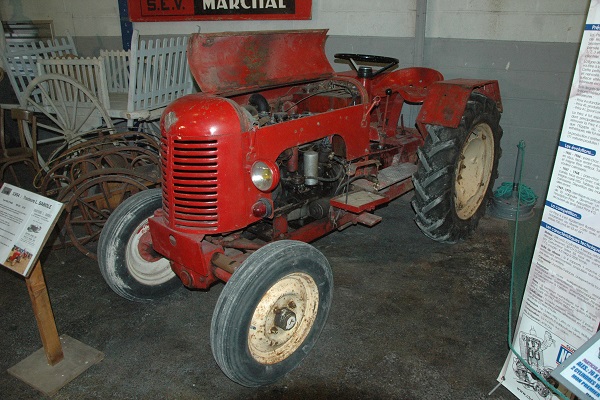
238, 62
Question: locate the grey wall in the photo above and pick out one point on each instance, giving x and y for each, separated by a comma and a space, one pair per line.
534, 79
90, 46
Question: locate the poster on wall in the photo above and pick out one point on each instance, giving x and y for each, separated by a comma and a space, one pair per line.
191, 10
560, 309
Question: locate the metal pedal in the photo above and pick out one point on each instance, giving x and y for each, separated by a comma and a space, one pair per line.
387, 177
358, 202
368, 219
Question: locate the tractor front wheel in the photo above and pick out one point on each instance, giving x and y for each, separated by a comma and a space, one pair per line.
456, 172
271, 312
127, 261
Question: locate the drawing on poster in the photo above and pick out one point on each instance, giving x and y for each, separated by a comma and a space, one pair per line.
34, 228
532, 350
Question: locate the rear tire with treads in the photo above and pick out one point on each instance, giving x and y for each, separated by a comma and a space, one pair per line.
456, 172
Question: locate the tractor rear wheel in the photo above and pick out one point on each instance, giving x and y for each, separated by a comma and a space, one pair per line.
456, 172
271, 312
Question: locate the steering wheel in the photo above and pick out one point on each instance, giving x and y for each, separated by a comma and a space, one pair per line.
367, 72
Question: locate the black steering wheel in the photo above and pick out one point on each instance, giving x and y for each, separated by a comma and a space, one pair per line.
367, 72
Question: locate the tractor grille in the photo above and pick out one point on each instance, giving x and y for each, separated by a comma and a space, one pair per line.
190, 184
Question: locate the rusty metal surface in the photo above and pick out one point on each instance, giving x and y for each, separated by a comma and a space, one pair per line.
93, 178
447, 100
229, 63
124, 150
92, 202
275, 337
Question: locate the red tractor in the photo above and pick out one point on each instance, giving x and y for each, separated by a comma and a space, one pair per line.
276, 151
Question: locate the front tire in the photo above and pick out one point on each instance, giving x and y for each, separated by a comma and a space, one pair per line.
127, 261
456, 172
271, 312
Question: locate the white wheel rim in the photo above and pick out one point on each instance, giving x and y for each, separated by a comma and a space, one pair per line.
148, 272
473, 171
270, 344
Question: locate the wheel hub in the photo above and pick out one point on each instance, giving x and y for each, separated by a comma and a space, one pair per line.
474, 171
283, 318
143, 263
145, 248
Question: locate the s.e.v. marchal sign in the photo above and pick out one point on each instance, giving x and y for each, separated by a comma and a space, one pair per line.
188, 10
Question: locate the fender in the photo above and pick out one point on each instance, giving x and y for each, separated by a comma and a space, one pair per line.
447, 100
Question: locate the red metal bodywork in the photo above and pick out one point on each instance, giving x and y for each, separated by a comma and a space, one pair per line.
446, 100
233, 62
210, 141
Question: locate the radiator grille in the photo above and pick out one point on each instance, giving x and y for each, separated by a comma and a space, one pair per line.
190, 189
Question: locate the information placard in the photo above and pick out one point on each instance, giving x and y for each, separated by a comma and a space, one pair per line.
580, 373
560, 309
26, 220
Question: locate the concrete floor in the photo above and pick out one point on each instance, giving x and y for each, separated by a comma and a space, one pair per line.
411, 319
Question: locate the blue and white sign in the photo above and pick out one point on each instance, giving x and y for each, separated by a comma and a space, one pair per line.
560, 309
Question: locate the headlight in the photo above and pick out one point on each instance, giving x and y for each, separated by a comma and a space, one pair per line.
265, 175
169, 120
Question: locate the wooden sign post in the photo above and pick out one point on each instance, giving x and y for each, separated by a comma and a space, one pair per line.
36, 285
27, 220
